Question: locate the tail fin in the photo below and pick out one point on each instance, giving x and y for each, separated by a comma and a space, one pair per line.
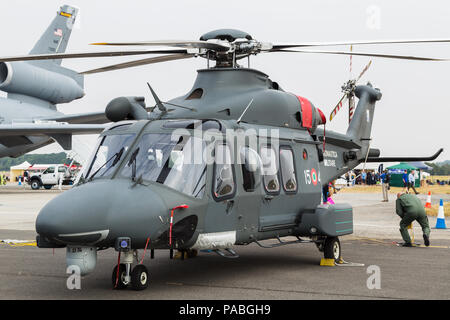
56, 37
361, 124
47, 80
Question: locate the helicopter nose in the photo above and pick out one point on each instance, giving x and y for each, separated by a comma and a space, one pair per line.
98, 212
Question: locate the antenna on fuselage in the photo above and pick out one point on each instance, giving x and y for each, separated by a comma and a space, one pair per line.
245, 110
161, 106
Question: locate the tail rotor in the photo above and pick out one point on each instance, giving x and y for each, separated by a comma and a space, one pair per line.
349, 92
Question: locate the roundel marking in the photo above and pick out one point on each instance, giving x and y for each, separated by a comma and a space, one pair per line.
314, 176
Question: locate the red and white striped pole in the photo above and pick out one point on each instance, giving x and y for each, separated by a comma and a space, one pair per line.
183, 206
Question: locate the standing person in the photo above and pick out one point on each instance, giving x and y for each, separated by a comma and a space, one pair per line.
409, 208
363, 177
412, 182
369, 178
385, 180
347, 177
405, 179
325, 192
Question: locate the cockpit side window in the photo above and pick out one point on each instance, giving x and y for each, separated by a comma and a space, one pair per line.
288, 170
224, 185
108, 154
270, 170
175, 161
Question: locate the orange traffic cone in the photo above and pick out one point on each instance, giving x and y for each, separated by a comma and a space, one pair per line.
428, 204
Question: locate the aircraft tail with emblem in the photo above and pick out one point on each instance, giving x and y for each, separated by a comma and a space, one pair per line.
57, 35
45, 82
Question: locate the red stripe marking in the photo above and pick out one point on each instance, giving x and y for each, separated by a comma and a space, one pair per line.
322, 116
307, 115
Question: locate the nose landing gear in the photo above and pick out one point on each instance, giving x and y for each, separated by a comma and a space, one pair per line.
122, 275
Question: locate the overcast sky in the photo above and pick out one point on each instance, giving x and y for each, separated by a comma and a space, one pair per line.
411, 119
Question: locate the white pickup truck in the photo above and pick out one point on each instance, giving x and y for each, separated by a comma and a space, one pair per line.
50, 177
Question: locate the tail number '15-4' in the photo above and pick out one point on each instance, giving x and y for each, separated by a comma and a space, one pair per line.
311, 176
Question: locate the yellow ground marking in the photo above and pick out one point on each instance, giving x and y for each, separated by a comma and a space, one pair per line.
19, 243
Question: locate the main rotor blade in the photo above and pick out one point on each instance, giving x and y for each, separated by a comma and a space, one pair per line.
52, 56
378, 55
346, 43
195, 44
140, 62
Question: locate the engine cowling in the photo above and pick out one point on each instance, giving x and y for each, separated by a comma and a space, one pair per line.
311, 116
126, 108
27, 79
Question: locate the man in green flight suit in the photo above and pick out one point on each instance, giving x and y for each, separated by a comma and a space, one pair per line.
409, 208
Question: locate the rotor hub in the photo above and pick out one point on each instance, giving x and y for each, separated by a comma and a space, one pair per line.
241, 45
229, 35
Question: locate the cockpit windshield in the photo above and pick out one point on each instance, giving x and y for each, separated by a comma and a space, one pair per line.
173, 160
110, 151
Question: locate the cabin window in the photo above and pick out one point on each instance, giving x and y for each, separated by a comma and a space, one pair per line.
223, 173
251, 165
270, 170
288, 170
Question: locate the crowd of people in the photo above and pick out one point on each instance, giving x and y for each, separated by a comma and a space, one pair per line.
3, 179
364, 177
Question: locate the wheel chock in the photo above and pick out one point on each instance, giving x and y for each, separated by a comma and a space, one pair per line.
178, 254
327, 262
188, 254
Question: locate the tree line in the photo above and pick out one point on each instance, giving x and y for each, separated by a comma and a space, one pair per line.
439, 169
50, 158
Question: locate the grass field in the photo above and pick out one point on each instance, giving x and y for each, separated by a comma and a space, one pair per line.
435, 189
433, 211
434, 178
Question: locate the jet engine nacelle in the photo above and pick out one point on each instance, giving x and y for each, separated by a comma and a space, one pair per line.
58, 86
126, 108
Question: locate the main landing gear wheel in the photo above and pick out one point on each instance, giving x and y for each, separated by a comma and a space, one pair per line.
121, 284
332, 249
139, 277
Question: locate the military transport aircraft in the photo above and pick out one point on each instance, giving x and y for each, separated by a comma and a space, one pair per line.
235, 160
28, 116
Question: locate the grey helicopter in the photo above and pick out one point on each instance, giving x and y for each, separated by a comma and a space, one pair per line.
29, 118
234, 161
